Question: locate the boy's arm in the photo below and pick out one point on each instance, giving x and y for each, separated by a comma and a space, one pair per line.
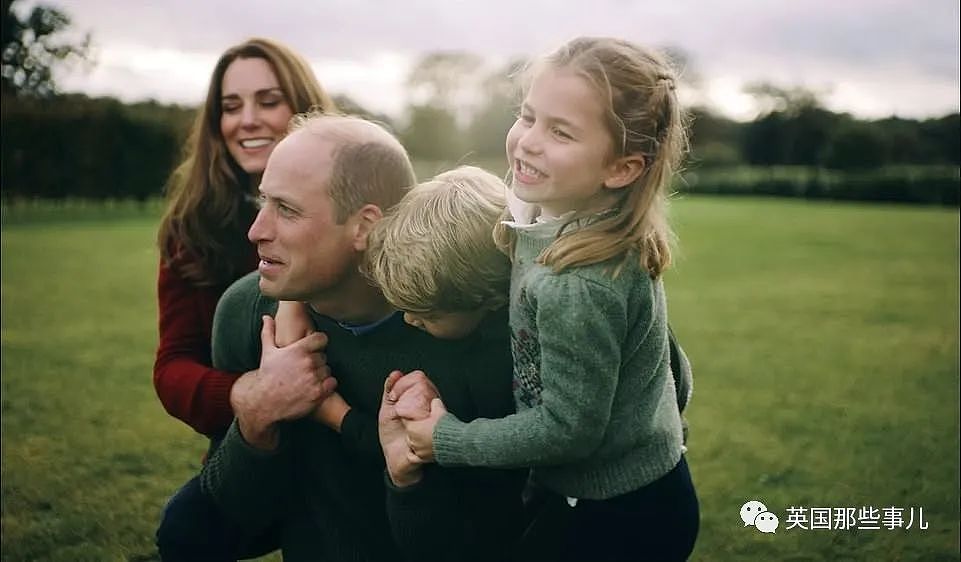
293, 322
358, 430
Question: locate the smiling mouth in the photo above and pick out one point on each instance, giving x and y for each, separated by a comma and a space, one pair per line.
255, 143
527, 171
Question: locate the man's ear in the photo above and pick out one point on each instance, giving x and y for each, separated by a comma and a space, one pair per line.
623, 171
363, 221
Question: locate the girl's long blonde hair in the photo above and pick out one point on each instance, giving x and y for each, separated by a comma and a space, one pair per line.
637, 87
202, 234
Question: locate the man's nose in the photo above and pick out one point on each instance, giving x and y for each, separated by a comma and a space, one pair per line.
260, 230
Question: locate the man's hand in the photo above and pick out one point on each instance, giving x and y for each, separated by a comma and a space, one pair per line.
402, 467
289, 384
415, 397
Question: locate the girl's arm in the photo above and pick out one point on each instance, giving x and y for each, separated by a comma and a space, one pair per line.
574, 356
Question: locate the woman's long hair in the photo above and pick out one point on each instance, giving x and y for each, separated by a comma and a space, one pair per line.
202, 234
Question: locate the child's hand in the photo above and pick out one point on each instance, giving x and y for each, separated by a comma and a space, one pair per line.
331, 411
403, 471
420, 433
293, 323
415, 403
411, 395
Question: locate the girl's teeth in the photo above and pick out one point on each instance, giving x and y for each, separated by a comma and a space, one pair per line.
256, 143
528, 170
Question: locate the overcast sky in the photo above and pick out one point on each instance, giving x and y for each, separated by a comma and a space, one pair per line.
873, 58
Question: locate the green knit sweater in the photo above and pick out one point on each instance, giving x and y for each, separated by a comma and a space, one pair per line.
597, 412
326, 491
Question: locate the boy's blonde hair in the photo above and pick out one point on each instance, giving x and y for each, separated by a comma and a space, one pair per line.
434, 251
637, 88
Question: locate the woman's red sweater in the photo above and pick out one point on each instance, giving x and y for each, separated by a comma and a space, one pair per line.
189, 388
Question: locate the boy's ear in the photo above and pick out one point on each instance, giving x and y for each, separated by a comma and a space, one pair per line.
363, 221
623, 171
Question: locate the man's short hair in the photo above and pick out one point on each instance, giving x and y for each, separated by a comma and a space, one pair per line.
369, 163
435, 250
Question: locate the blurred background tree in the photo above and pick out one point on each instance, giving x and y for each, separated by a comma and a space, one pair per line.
501, 95
443, 89
34, 46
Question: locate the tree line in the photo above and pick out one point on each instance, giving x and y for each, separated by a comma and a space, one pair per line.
460, 108
75, 146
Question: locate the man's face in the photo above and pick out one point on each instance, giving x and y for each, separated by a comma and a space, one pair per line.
304, 254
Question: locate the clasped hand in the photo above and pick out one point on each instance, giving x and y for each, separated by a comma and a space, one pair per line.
410, 408
290, 383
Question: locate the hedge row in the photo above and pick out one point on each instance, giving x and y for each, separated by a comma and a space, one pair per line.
94, 151
940, 185
102, 149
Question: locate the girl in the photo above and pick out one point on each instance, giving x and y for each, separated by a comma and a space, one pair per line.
592, 154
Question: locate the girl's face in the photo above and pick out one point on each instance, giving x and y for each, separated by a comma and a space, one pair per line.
559, 148
254, 113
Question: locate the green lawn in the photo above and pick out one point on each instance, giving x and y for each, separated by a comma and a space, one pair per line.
824, 339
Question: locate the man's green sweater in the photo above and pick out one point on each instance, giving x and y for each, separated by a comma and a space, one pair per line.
327, 491
597, 412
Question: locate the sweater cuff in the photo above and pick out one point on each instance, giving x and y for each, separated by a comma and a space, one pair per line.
450, 436
358, 433
217, 395
425, 492
243, 448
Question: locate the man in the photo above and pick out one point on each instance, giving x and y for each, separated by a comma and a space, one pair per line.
324, 491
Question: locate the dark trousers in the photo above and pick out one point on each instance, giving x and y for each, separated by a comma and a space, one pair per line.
192, 528
657, 522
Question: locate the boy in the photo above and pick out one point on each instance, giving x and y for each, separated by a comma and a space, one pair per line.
433, 255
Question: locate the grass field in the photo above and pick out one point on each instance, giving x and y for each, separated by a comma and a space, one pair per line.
824, 340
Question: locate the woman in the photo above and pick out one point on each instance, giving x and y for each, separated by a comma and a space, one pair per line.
255, 88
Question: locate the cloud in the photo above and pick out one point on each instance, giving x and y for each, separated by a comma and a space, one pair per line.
851, 45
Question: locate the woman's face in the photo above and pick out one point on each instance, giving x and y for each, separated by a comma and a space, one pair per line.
254, 113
